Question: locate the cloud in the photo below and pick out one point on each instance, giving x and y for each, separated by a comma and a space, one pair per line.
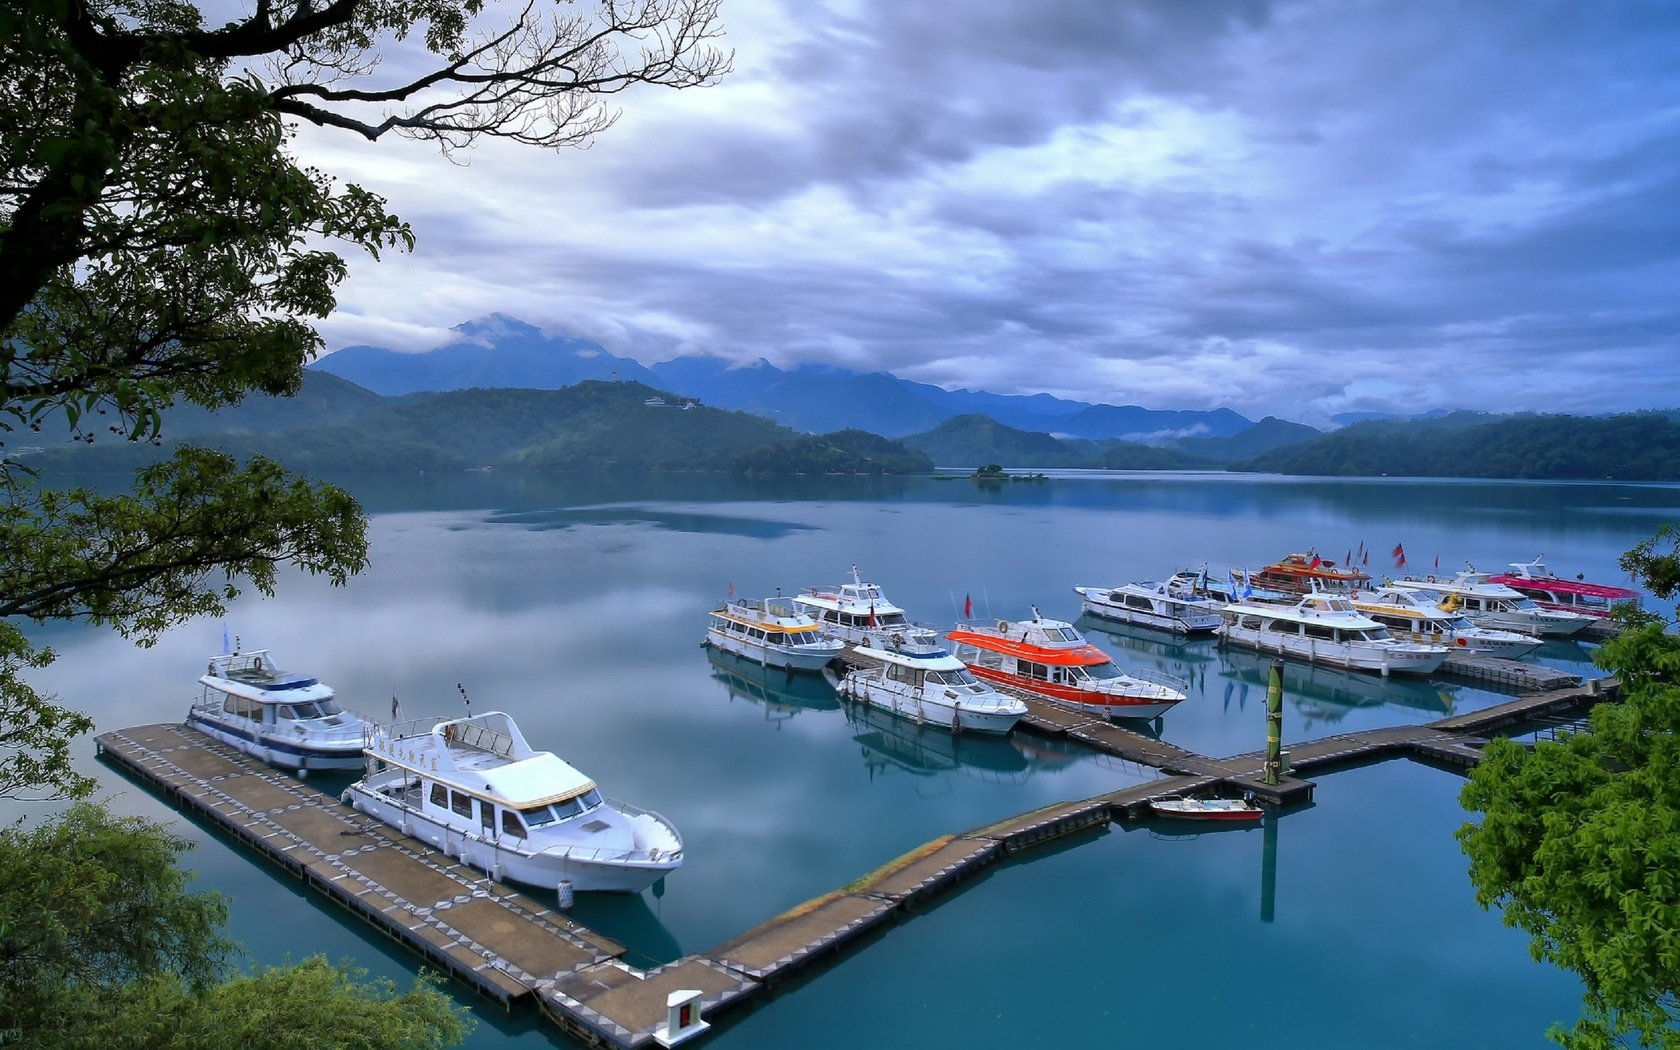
1284, 208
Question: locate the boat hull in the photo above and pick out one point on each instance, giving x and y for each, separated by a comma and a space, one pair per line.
1224, 811
793, 658
1103, 705
279, 750
546, 869
1176, 620
918, 708
1355, 657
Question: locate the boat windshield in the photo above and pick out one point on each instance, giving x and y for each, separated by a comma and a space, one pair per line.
1067, 633
1102, 671
961, 676
312, 709
540, 816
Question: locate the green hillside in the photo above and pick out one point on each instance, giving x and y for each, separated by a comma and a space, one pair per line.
1635, 446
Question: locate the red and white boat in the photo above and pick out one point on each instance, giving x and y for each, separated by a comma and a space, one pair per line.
1217, 809
1550, 591
1308, 573
1052, 660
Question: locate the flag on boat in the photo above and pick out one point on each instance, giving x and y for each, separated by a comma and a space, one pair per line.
732, 588
1367, 557
226, 646
1248, 584
872, 614
1316, 562
968, 607
1347, 559
1437, 561
1399, 556
396, 708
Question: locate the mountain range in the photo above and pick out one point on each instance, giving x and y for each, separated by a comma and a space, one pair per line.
500, 351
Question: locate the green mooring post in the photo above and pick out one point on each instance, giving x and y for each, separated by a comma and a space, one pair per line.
1274, 724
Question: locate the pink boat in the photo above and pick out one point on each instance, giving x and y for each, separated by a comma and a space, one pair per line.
1550, 591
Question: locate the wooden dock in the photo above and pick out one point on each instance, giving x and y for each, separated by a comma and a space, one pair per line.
1511, 674
514, 950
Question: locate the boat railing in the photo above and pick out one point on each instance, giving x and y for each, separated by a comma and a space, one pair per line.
462, 732
907, 637
1161, 678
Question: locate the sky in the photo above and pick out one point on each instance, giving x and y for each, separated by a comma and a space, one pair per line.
1292, 208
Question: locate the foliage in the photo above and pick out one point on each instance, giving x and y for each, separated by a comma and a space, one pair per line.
1639, 445
102, 943
842, 452
1579, 844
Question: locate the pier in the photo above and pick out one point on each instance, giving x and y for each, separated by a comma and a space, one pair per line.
514, 950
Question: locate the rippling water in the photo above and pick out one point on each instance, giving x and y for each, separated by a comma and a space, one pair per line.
578, 605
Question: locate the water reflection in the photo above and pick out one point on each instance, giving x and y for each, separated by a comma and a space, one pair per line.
782, 693
892, 744
1188, 659
1324, 695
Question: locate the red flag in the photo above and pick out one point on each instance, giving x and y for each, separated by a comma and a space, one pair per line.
1347, 559
1437, 561
1400, 562
1367, 560
1316, 562
732, 588
968, 607
872, 614
1399, 550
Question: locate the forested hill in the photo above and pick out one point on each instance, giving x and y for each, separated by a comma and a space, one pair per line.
1636, 446
333, 425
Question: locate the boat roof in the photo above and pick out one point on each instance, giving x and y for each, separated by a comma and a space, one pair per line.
1467, 582
252, 674
1302, 565
1316, 607
484, 755
1037, 642
934, 660
778, 612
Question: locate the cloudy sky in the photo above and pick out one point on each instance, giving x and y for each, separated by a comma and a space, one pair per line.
1292, 208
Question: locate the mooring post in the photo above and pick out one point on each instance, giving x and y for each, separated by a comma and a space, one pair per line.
1274, 724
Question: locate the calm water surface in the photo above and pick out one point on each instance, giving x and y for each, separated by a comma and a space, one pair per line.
578, 605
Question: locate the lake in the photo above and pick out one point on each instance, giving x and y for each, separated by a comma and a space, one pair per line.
579, 604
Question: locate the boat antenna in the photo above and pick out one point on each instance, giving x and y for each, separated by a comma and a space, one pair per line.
459, 688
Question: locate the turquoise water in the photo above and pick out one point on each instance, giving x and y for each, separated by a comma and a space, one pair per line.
579, 604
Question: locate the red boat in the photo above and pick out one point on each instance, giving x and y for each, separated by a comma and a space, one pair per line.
1550, 591
1220, 809
1307, 573
1052, 660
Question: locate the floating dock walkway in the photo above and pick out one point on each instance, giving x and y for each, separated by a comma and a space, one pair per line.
514, 950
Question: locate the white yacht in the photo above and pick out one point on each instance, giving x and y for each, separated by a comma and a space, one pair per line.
772, 632
280, 717
1496, 605
1170, 606
861, 613
474, 789
929, 689
1415, 616
1327, 629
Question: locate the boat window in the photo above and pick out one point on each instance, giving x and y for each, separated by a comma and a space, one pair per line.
1318, 630
511, 824
440, 797
460, 803
590, 799
1028, 669
1138, 601
329, 706
285, 711
1070, 634
1103, 670
891, 619
775, 637
486, 816
538, 816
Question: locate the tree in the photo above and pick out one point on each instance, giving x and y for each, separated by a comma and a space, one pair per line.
159, 243
1579, 839
102, 943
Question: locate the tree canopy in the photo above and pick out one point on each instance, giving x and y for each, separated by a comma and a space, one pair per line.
1579, 839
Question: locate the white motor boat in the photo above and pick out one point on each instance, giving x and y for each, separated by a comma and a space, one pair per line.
474, 789
861, 613
1327, 629
1415, 616
1172, 605
932, 689
772, 632
1492, 604
280, 717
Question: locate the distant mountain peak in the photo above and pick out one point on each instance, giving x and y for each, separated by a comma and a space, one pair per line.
486, 331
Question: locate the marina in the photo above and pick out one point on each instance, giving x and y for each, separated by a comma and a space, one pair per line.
513, 950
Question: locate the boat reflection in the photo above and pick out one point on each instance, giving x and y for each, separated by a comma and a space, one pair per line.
631, 921
890, 743
1189, 659
782, 693
1327, 694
